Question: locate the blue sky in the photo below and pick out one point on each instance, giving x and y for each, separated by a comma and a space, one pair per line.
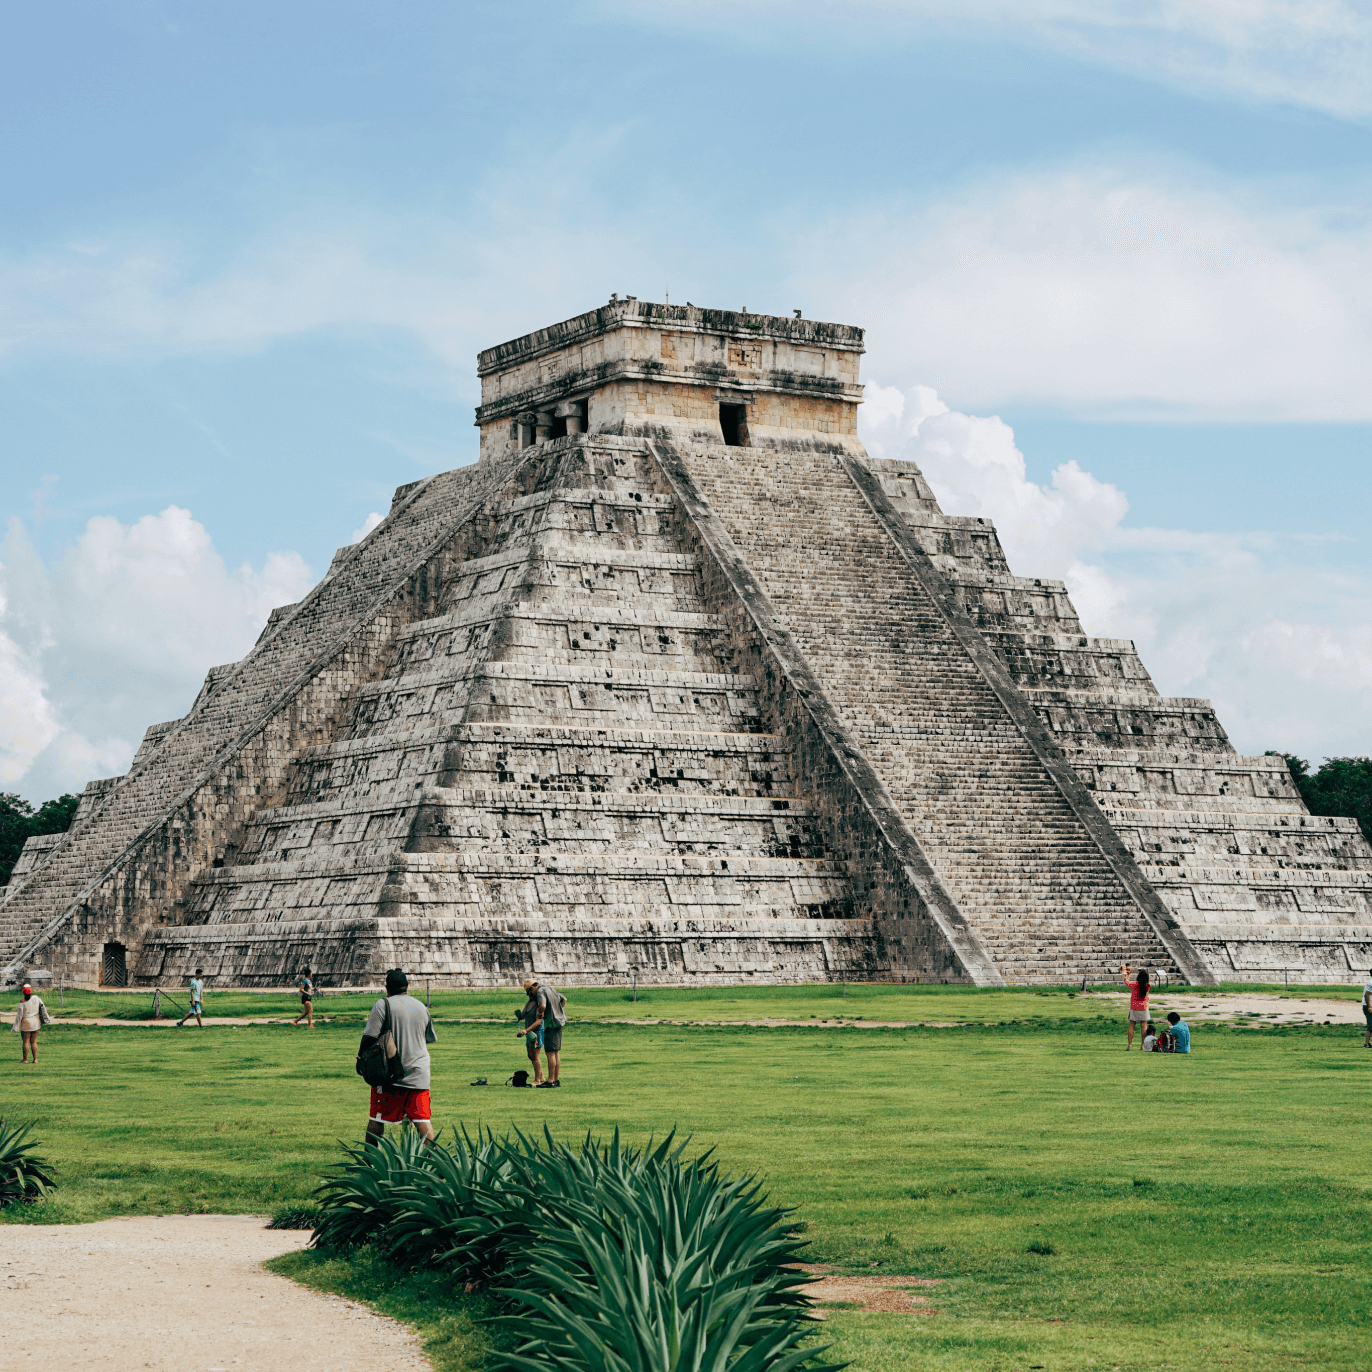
248, 253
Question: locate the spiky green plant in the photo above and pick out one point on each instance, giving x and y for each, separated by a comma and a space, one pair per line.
636, 1260
24, 1176
359, 1201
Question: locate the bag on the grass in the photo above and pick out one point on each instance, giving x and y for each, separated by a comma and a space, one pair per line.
520, 1078
380, 1065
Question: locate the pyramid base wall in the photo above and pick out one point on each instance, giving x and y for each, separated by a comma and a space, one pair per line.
501, 952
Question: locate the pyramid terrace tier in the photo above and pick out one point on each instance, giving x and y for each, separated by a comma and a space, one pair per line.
1168, 779
501, 950
1113, 717
556, 758
560, 885
512, 819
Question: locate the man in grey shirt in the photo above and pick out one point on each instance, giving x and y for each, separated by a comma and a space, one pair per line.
552, 1018
408, 1021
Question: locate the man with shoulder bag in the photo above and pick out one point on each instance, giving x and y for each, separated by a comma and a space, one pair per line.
393, 1059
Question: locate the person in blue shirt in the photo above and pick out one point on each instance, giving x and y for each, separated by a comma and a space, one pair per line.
1181, 1035
197, 999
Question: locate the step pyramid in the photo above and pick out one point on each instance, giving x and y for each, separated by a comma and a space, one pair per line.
676, 683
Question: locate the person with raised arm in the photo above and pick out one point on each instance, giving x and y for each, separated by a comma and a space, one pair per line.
1138, 1001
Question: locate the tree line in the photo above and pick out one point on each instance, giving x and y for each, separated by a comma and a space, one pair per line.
19, 821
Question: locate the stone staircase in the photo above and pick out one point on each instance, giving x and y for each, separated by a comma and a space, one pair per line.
1262, 888
1031, 881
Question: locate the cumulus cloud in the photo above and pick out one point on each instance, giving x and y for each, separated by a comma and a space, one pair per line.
1277, 632
368, 524
1316, 53
974, 468
1157, 292
117, 635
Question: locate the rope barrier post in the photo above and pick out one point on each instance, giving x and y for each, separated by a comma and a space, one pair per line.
426, 993
157, 1003
635, 985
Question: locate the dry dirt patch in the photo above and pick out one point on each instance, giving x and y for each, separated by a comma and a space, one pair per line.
185, 1293
889, 1295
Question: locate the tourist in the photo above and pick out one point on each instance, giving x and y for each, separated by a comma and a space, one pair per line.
30, 1015
552, 1017
306, 998
533, 1038
411, 1027
1179, 1033
197, 999
1138, 1001
1150, 1038
1367, 1011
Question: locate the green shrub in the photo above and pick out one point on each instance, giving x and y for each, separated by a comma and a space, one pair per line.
295, 1215
24, 1176
623, 1258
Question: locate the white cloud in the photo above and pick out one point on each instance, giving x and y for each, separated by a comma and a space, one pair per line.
974, 468
1277, 632
1316, 53
117, 635
368, 524
1155, 293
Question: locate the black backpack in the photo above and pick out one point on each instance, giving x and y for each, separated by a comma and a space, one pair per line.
520, 1078
380, 1065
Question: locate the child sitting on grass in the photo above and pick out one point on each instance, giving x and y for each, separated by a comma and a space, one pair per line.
1180, 1034
1150, 1038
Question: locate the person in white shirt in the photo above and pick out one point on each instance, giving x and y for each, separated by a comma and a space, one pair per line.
29, 1018
197, 999
1367, 1010
1150, 1037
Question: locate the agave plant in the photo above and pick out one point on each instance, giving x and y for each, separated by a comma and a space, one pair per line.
632, 1260
359, 1201
24, 1176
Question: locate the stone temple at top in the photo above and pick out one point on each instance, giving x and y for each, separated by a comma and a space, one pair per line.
676, 681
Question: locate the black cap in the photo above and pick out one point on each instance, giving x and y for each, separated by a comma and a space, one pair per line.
396, 982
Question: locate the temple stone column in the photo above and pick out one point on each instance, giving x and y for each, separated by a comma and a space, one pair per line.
570, 410
543, 426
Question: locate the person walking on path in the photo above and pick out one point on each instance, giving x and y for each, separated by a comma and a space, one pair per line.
1138, 1002
306, 998
411, 1026
197, 999
1367, 1010
29, 1017
552, 1017
528, 1015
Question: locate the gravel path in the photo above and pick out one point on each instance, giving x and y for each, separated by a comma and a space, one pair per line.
184, 1293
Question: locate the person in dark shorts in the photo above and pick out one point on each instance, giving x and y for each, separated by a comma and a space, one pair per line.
533, 1038
306, 998
197, 999
552, 1016
409, 1022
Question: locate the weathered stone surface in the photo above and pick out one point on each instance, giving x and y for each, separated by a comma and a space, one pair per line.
676, 681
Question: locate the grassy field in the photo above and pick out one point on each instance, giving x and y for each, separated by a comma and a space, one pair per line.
1082, 1208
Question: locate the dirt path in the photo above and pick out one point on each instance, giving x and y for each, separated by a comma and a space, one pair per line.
1250, 1006
183, 1293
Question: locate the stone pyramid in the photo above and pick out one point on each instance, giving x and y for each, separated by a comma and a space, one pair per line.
676, 682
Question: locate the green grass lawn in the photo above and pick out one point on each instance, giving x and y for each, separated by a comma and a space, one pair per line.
1201, 1212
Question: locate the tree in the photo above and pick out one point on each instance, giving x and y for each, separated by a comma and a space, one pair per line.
1343, 786
19, 821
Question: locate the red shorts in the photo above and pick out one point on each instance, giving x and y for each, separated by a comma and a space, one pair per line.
390, 1106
